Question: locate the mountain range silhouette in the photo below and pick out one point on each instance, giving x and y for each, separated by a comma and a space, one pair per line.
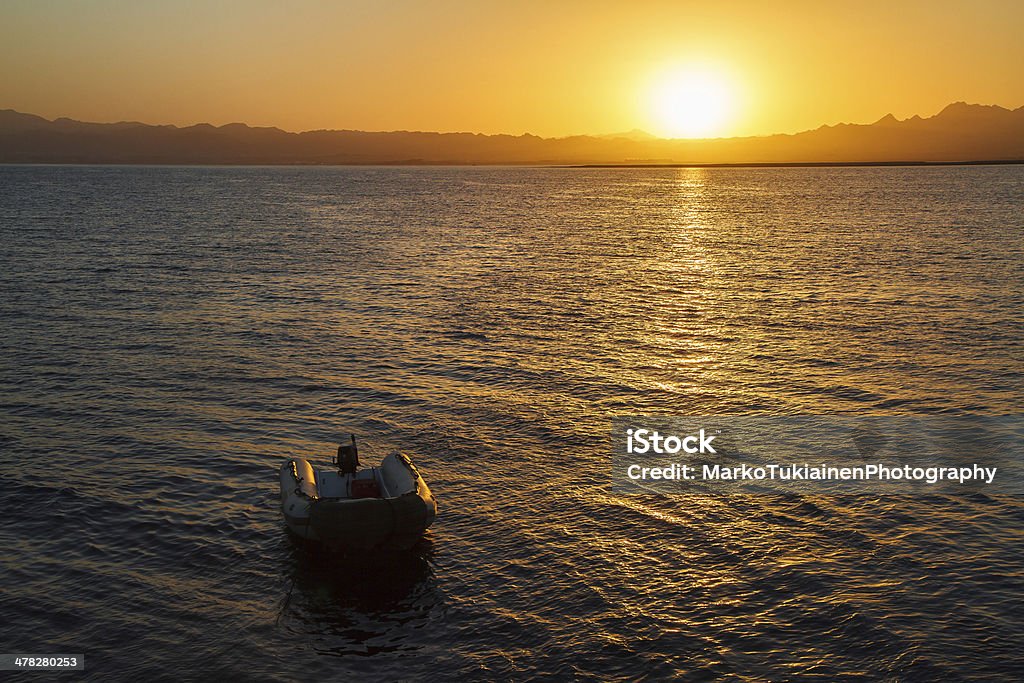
959, 133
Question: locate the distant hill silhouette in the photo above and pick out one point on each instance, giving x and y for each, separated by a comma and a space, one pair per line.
960, 132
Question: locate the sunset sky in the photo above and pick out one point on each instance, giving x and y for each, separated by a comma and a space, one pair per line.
549, 68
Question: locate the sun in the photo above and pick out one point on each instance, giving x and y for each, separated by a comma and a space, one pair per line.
692, 103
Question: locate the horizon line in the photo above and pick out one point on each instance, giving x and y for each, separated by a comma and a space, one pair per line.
530, 164
621, 135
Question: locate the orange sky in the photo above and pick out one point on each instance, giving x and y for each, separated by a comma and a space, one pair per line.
549, 68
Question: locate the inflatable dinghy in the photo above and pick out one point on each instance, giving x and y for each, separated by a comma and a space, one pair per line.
388, 506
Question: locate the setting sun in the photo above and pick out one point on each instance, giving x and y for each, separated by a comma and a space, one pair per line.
692, 103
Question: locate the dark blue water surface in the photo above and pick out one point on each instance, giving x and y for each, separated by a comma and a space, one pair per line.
170, 335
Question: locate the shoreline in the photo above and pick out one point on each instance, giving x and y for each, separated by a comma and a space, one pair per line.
808, 164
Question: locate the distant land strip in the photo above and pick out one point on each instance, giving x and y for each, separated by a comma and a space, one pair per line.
959, 134
805, 164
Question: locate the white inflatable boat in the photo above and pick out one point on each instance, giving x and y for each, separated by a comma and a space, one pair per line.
388, 506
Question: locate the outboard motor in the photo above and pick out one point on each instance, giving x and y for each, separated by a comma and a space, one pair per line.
348, 457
